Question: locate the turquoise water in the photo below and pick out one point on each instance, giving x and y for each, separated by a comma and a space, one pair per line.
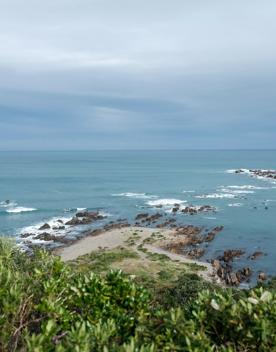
45, 185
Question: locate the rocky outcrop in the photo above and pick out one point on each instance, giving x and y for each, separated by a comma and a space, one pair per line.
45, 236
230, 254
149, 219
198, 209
142, 216
224, 270
45, 227
269, 174
84, 218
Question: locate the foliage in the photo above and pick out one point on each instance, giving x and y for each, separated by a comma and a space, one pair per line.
46, 305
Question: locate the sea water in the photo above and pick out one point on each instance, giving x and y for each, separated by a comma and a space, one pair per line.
39, 187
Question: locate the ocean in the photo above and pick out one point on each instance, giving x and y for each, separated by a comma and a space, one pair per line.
39, 187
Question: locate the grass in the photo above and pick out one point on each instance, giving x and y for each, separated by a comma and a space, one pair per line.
101, 261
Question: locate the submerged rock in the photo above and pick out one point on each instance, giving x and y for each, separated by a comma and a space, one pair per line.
256, 255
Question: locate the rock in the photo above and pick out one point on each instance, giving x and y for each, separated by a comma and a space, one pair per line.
194, 210
210, 236
246, 272
218, 229
262, 276
188, 230
60, 221
216, 264
45, 236
77, 221
151, 218
84, 218
90, 215
230, 254
256, 255
112, 226
59, 228
24, 235
45, 227
141, 216
196, 253
232, 279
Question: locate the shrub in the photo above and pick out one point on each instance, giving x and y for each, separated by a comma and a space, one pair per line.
46, 305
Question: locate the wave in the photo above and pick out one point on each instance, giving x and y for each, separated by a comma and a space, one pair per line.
13, 208
247, 187
16, 210
236, 191
134, 195
165, 202
188, 191
235, 205
217, 196
57, 227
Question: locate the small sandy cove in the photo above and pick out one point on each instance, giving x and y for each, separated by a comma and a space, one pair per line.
152, 239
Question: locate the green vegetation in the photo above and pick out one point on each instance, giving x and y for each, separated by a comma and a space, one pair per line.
46, 305
101, 260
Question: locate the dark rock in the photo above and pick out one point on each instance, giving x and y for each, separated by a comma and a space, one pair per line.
256, 255
24, 235
45, 227
77, 221
45, 236
60, 221
141, 216
90, 215
230, 254
59, 228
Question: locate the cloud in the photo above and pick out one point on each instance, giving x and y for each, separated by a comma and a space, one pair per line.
105, 74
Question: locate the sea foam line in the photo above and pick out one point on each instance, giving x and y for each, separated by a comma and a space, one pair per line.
134, 195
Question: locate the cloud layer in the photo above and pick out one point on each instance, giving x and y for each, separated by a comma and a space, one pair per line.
137, 74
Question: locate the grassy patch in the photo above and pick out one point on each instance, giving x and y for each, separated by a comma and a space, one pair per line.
102, 260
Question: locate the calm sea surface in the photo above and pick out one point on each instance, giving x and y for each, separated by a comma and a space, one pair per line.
44, 186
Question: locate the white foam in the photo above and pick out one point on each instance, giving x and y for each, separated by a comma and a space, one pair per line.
250, 187
53, 223
235, 205
230, 171
16, 210
165, 202
188, 191
8, 204
236, 191
105, 214
217, 196
134, 195
81, 209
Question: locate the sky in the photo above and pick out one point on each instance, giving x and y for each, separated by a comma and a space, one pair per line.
129, 74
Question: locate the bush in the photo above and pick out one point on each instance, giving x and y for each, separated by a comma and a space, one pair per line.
46, 305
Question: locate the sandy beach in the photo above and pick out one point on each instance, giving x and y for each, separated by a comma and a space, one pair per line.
152, 240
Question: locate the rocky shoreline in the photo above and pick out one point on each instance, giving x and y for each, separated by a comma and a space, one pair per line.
187, 240
259, 173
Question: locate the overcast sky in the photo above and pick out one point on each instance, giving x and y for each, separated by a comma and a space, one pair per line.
137, 74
